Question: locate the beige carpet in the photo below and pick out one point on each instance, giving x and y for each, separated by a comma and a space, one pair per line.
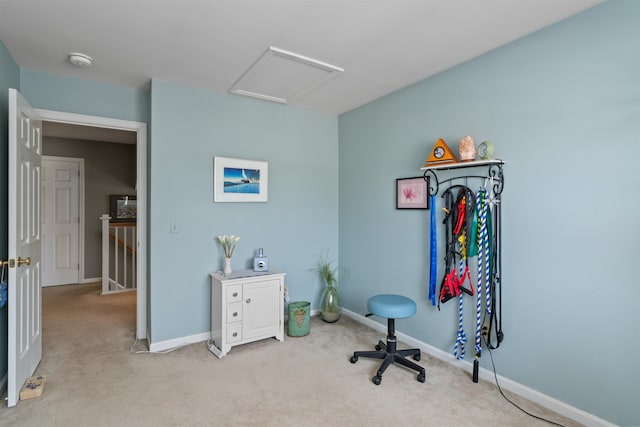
94, 380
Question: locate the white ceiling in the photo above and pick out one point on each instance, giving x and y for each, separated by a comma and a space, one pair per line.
383, 45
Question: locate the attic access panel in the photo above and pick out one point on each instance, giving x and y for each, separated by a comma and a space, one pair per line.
282, 76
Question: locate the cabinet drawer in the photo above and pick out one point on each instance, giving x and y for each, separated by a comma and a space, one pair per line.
234, 332
234, 312
234, 293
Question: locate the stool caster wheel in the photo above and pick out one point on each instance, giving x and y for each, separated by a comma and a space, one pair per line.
416, 357
378, 348
354, 359
421, 377
376, 380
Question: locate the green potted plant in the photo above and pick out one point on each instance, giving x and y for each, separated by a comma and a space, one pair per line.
330, 309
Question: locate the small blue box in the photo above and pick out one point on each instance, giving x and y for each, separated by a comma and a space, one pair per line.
260, 262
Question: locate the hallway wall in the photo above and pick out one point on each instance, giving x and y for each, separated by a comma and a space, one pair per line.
110, 168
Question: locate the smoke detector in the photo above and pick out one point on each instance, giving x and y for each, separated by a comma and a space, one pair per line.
80, 59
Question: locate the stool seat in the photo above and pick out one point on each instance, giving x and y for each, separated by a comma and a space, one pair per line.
391, 306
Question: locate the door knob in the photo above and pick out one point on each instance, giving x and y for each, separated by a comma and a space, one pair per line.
26, 260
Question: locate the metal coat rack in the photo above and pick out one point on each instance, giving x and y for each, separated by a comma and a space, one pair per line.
495, 178
494, 173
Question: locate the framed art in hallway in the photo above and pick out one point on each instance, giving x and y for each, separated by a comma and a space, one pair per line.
239, 180
123, 208
411, 193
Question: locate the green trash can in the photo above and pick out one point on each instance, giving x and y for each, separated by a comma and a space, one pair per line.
299, 318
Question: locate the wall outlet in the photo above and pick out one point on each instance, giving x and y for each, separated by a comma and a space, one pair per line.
484, 332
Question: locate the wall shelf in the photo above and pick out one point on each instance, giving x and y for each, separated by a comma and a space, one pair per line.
494, 174
461, 165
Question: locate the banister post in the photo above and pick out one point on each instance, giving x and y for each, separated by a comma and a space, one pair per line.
105, 252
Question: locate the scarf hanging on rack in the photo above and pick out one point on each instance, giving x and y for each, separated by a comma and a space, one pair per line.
3, 285
433, 271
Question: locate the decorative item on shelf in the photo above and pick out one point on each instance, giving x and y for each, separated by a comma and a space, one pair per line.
260, 262
467, 149
330, 309
440, 154
228, 245
485, 150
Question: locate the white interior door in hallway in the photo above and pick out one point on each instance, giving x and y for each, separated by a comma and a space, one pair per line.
24, 341
61, 220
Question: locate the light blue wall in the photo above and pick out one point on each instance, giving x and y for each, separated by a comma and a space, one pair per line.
189, 126
9, 78
52, 92
562, 107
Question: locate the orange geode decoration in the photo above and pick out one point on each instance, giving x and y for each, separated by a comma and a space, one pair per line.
467, 149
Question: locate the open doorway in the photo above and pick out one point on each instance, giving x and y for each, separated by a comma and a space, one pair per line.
118, 132
82, 168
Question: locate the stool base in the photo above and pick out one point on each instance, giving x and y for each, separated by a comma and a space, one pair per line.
390, 354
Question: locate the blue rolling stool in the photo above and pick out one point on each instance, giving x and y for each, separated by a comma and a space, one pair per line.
392, 307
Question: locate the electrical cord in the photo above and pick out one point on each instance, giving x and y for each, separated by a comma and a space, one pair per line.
495, 375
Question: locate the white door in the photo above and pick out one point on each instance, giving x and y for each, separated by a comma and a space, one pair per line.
60, 221
260, 315
25, 309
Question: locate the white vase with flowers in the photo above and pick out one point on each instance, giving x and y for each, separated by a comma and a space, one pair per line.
228, 245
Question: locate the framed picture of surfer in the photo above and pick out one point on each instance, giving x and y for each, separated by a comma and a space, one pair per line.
238, 180
411, 193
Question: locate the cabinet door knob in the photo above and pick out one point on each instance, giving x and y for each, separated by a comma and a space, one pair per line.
235, 334
235, 294
248, 300
235, 313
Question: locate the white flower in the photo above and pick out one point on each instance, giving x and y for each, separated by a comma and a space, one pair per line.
228, 244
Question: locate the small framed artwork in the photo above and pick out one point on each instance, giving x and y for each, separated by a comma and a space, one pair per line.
411, 193
123, 208
238, 180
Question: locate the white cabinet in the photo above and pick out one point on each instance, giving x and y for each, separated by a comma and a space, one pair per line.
246, 306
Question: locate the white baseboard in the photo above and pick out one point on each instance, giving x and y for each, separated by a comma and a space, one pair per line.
178, 342
548, 402
191, 339
91, 280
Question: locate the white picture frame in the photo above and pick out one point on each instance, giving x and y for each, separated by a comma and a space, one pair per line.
240, 180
